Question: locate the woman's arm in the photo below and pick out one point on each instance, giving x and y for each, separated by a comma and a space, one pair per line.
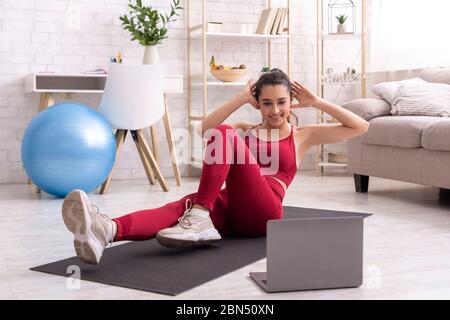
351, 125
221, 114
218, 116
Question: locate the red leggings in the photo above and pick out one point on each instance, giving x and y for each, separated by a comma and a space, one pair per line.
243, 207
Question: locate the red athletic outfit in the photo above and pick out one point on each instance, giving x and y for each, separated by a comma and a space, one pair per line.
249, 199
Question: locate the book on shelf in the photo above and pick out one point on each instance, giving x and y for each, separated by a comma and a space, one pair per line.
266, 21
272, 21
277, 21
262, 21
280, 29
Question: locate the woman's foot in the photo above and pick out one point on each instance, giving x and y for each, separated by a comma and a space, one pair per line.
92, 230
194, 227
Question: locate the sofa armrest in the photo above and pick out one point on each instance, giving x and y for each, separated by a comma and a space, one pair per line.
369, 108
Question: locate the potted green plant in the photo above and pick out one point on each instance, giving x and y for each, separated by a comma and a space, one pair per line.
341, 27
149, 26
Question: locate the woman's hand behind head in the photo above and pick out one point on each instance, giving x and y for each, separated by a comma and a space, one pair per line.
304, 96
248, 94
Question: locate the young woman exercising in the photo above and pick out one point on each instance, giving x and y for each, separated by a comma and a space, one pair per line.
255, 187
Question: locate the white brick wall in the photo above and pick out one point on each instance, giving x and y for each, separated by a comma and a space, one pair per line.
75, 35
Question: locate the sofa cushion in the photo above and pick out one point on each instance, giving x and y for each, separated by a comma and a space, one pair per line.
388, 91
436, 135
422, 99
437, 75
404, 132
368, 108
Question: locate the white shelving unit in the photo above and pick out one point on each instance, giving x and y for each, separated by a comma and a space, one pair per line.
342, 36
201, 82
238, 36
324, 37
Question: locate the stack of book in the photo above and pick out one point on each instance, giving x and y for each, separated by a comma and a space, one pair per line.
272, 21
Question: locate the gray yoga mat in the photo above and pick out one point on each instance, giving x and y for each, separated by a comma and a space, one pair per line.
145, 265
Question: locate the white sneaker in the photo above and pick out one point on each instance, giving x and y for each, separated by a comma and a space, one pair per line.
195, 227
92, 231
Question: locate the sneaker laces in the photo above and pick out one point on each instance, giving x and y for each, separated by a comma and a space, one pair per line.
184, 221
108, 220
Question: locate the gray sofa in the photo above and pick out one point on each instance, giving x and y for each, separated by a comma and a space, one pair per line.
413, 149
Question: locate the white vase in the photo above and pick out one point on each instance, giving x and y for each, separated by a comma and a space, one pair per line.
151, 55
341, 28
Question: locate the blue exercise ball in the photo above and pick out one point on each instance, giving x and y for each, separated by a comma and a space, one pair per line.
68, 146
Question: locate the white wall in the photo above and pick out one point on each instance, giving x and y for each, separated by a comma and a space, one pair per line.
76, 35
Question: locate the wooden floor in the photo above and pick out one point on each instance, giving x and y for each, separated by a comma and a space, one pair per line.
407, 240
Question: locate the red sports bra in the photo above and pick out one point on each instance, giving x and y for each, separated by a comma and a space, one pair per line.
282, 164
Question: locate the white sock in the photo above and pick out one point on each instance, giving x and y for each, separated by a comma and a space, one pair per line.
114, 230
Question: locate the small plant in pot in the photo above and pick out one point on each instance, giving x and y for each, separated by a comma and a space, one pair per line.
149, 26
341, 27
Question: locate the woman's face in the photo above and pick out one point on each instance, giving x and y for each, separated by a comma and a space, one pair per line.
275, 104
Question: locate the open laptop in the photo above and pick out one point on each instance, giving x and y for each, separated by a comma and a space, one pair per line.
314, 251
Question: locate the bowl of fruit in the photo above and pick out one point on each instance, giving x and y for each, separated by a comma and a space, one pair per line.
226, 73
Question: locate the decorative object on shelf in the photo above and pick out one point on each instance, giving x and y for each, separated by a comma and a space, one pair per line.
214, 26
341, 27
232, 75
350, 76
339, 12
226, 73
263, 70
149, 26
